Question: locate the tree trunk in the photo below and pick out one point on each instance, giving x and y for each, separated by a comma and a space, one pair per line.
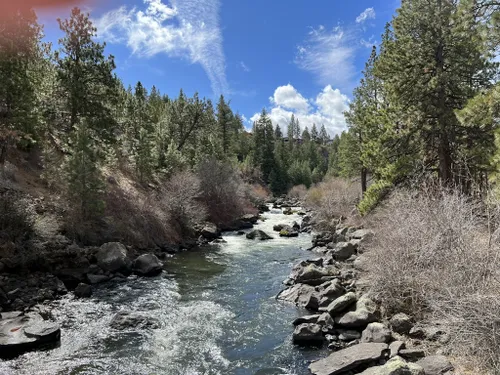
364, 174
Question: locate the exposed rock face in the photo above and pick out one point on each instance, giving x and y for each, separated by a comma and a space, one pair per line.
83, 291
349, 359
395, 366
308, 334
147, 265
258, 235
22, 333
113, 257
435, 365
131, 320
376, 332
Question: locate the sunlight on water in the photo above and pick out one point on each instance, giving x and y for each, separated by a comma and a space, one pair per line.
217, 314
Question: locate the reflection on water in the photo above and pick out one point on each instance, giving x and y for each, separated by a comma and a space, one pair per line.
217, 311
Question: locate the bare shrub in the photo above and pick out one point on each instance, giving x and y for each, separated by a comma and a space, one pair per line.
298, 192
180, 200
16, 222
332, 200
222, 191
432, 258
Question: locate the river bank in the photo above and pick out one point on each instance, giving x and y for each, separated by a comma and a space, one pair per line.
214, 308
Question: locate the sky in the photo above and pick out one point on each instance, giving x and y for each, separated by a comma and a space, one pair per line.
288, 56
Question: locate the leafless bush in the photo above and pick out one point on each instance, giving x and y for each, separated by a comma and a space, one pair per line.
432, 257
181, 202
16, 223
221, 191
298, 192
332, 200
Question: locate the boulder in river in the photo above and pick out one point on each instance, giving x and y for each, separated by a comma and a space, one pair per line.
147, 265
210, 232
21, 333
298, 294
308, 334
288, 231
258, 235
113, 257
133, 320
250, 218
349, 359
83, 291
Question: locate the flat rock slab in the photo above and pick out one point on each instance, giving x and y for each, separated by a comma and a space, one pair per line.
349, 359
23, 333
435, 365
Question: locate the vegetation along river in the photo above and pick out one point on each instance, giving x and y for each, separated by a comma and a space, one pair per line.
217, 311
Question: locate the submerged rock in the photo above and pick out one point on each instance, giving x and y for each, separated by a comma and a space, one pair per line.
22, 333
258, 235
83, 291
128, 320
147, 265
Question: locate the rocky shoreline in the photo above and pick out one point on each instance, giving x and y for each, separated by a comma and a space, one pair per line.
346, 318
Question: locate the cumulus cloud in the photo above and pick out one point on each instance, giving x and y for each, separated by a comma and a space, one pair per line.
187, 29
367, 14
327, 108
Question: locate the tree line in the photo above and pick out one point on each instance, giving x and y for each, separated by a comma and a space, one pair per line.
69, 103
428, 102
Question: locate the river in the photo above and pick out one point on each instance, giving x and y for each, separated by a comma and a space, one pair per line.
217, 310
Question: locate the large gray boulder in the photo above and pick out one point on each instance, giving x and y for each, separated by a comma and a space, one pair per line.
341, 304
113, 257
332, 289
210, 232
435, 365
21, 333
376, 332
298, 294
366, 312
313, 274
308, 334
349, 359
343, 251
306, 319
258, 235
395, 366
147, 265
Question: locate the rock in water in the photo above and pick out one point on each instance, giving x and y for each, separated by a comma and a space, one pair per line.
83, 291
23, 333
258, 235
131, 320
349, 359
210, 232
113, 257
147, 265
308, 334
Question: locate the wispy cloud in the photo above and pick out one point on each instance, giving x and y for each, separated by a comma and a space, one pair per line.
329, 54
367, 14
244, 67
187, 29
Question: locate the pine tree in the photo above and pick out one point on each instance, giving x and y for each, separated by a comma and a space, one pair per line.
86, 75
314, 133
324, 138
225, 120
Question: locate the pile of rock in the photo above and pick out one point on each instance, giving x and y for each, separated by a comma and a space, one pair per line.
348, 321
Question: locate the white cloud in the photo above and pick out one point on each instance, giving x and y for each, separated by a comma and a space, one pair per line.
330, 55
326, 109
367, 14
288, 97
244, 66
186, 28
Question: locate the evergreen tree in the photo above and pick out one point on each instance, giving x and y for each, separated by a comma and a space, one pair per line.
225, 120
85, 74
314, 133
324, 138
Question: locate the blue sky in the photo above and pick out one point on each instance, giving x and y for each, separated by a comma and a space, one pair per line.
294, 56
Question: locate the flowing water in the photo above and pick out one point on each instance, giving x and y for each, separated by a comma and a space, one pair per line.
217, 310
